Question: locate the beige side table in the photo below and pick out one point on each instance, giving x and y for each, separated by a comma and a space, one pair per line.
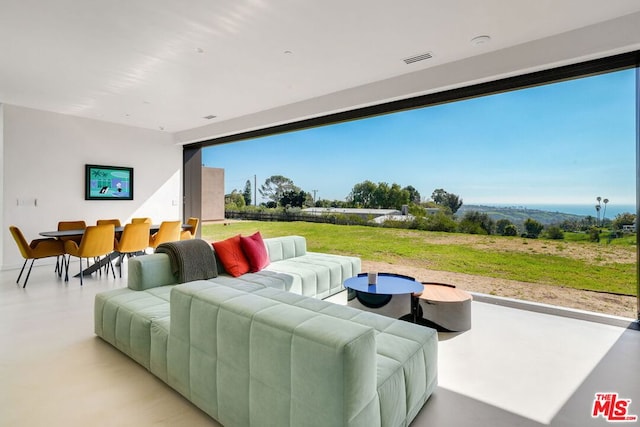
445, 306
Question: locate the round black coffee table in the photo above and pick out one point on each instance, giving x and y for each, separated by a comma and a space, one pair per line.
390, 296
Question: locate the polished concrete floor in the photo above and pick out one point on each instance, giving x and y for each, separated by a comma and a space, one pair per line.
513, 368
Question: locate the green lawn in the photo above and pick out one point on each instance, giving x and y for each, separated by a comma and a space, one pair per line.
412, 247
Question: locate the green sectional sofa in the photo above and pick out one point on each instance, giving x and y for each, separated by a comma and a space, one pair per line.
264, 349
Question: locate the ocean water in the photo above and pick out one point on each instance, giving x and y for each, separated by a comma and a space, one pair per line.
584, 210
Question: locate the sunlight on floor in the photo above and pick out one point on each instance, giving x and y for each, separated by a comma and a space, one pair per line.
520, 361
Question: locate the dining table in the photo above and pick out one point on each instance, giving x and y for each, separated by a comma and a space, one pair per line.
56, 234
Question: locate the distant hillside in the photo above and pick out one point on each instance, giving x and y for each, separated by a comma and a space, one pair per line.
519, 215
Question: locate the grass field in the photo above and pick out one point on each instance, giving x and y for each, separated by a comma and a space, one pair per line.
576, 264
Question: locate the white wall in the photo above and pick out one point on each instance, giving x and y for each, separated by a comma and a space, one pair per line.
43, 156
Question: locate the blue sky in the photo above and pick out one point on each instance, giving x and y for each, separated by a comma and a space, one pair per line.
564, 143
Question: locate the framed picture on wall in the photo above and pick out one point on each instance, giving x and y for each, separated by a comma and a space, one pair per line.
108, 182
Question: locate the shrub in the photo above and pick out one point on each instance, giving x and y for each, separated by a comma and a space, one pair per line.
501, 225
555, 232
533, 228
510, 230
476, 223
440, 222
594, 234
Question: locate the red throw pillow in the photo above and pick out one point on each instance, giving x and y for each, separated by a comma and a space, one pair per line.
256, 252
231, 256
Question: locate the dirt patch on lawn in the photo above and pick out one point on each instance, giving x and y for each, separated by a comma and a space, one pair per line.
598, 254
617, 305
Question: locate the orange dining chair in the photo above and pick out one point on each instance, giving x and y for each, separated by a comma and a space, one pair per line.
169, 231
135, 239
64, 226
137, 220
97, 241
190, 233
39, 248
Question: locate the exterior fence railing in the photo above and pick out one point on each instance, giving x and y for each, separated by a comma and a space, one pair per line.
298, 216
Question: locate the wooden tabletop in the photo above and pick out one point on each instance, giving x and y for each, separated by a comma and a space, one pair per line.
443, 293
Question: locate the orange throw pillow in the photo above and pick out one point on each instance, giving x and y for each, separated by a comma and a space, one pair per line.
231, 256
255, 251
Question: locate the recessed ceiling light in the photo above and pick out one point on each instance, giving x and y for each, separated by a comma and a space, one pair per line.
477, 41
200, 50
209, 117
288, 52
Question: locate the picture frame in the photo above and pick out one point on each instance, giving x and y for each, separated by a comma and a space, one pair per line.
108, 182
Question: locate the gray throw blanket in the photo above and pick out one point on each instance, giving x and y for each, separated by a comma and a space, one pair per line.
190, 259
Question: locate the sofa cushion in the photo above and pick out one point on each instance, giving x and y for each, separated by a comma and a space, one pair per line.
406, 355
150, 271
280, 248
123, 318
249, 360
231, 256
255, 251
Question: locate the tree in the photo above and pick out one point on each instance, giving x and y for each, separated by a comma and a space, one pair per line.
449, 200
397, 197
380, 196
598, 206
275, 186
604, 212
234, 200
362, 194
247, 193
438, 196
293, 199
587, 222
414, 195
533, 228
625, 218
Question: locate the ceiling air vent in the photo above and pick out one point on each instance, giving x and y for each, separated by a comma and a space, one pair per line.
417, 58
209, 117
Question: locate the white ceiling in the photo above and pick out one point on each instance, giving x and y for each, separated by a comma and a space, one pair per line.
165, 64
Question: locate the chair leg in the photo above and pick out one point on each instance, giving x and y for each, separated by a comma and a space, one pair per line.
81, 274
20, 275
28, 274
113, 269
120, 259
66, 263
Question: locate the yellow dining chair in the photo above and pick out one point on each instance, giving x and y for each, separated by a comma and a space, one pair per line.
116, 223
64, 226
169, 232
191, 232
39, 248
135, 239
97, 241
137, 220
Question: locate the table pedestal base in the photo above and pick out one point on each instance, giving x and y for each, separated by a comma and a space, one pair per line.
446, 307
394, 306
